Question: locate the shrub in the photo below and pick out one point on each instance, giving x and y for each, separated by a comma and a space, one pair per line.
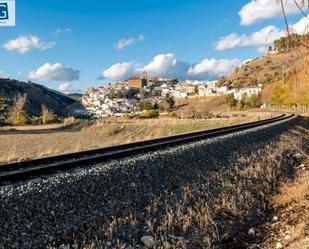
69, 121
145, 105
221, 81
171, 102
150, 114
253, 101
231, 101
18, 115
167, 104
173, 115
47, 115
279, 95
5, 105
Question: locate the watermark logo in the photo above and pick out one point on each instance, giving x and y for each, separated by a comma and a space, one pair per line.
7, 12
4, 11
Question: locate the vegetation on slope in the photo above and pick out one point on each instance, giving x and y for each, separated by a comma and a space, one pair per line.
282, 72
37, 95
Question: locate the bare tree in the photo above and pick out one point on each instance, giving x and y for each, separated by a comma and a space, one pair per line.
18, 115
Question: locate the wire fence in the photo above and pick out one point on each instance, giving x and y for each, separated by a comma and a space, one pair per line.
295, 108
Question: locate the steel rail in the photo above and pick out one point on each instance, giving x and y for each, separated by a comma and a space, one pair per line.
18, 171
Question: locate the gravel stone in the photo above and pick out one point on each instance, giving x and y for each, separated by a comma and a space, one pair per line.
148, 241
47, 211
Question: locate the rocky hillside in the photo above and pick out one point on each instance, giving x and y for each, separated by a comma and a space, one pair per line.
283, 74
266, 69
37, 95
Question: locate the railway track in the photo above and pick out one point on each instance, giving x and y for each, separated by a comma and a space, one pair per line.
20, 171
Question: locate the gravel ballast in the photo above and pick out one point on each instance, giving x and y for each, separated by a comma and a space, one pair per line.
80, 206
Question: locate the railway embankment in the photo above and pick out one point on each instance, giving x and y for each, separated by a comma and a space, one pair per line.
213, 193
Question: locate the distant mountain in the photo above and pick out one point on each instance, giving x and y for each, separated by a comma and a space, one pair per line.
75, 96
37, 95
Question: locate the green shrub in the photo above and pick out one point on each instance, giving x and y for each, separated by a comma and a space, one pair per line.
231, 101
5, 105
145, 105
150, 114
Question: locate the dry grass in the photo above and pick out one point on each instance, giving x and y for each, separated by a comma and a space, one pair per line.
289, 228
224, 207
40, 141
203, 104
32, 127
295, 192
291, 206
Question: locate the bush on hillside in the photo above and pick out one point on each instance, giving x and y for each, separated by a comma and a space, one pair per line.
5, 105
48, 116
18, 115
147, 114
167, 104
279, 96
230, 101
69, 121
145, 105
221, 81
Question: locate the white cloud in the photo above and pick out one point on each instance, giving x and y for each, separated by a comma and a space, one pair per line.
122, 43
302, 26
258, 10
55, 71
167, 65
3, 75
65, 87
23, 44
261, 39
62, 30
120, 71
212, 68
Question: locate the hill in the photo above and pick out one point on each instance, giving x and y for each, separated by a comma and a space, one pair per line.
282, 73
37, 95
75, 96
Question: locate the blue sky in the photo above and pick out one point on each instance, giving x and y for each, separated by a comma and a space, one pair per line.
185, 33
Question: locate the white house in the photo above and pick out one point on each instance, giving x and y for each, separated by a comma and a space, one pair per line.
203, 92
248, 91
180, 94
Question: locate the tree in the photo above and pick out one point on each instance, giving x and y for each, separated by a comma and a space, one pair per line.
156, 106
145, 105
231, 101
221, 81
195, 89
280, 95
171, 102
167, 104
47, 115
254, 101
5, 105
18, 115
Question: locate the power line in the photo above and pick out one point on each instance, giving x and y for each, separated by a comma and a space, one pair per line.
285, 18
298, 6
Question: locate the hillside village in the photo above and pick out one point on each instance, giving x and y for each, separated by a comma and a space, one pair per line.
126, 97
